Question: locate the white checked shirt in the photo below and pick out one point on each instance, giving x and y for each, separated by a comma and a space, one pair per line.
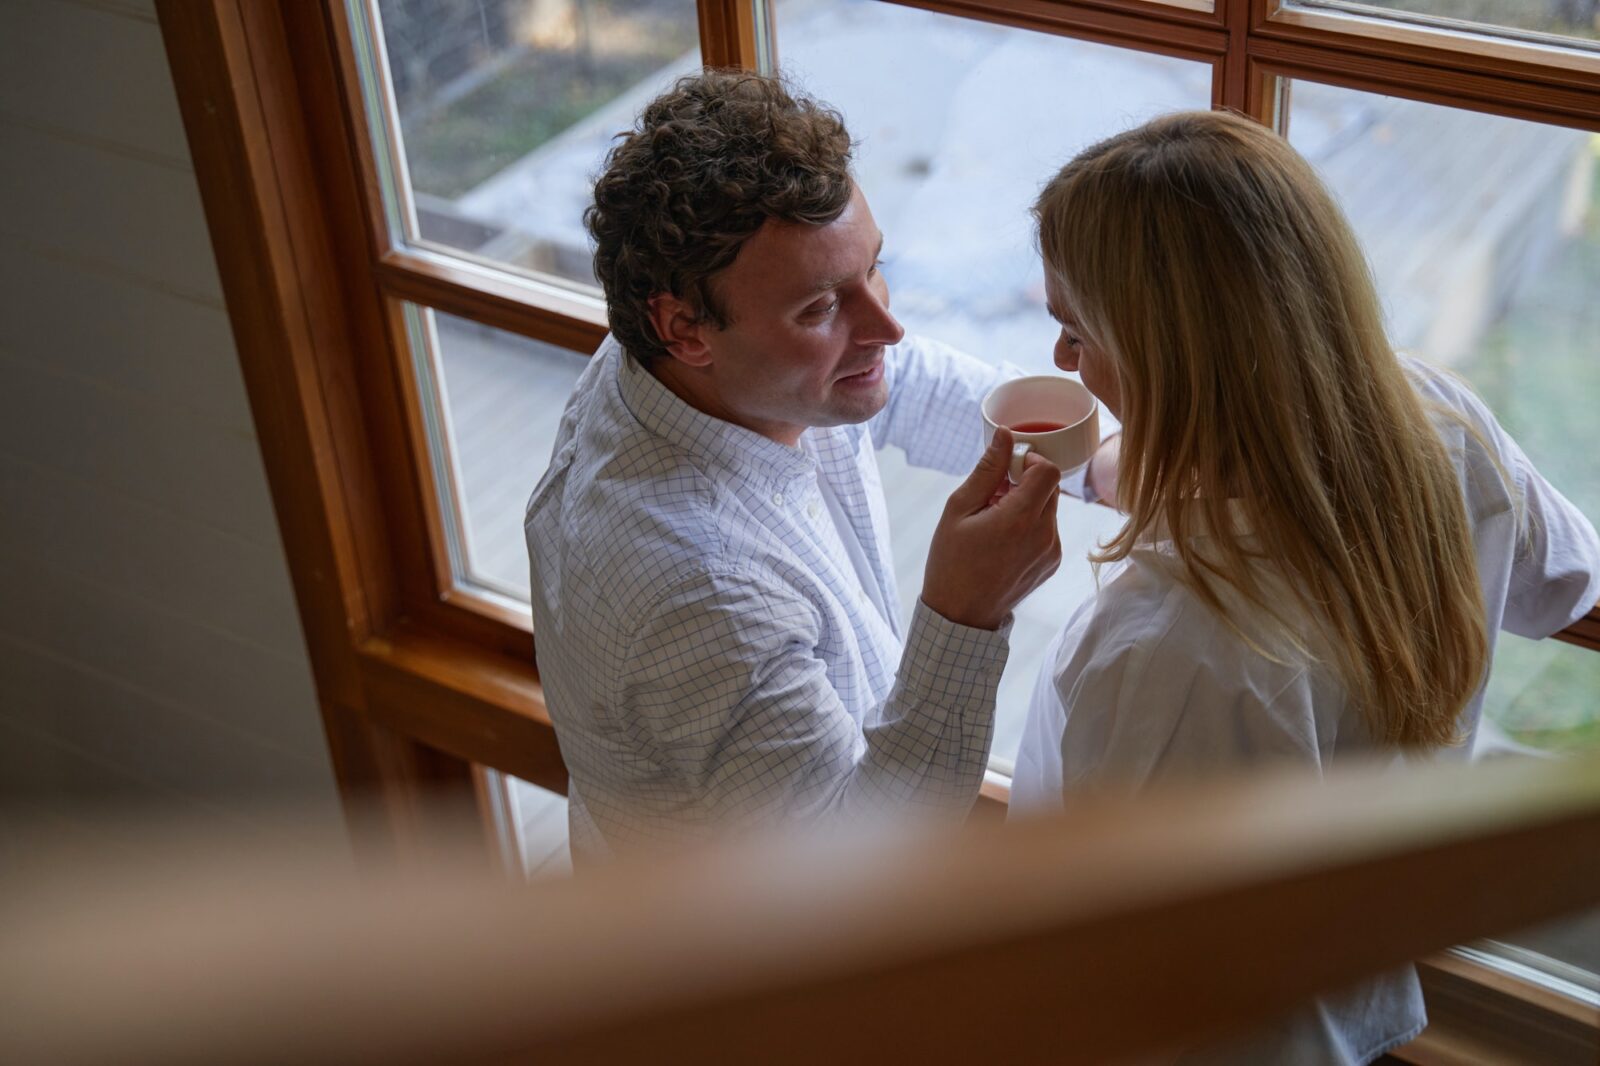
715, 613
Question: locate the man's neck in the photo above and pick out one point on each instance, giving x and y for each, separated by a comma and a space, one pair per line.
696, 387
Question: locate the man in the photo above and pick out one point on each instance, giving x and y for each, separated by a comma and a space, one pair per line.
713, 596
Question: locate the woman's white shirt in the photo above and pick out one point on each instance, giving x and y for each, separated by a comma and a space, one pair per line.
1145, 681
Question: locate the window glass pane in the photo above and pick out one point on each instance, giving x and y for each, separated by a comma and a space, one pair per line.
1572, 22
502, 110
527, 824
493, 403
538, 820
1544, 696
954, 147
1484, 236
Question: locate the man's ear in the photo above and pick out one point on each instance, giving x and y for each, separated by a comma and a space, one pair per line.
682, 332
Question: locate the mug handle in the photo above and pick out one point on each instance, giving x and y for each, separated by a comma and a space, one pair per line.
1019, 452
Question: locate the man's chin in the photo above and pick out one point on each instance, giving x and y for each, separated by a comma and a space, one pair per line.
858, 403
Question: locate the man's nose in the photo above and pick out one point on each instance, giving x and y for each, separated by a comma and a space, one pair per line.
878, 326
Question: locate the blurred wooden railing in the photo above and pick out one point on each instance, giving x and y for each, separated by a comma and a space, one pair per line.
1121, 928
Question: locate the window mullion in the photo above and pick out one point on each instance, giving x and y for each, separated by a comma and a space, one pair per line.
494, 297
1445, 53
1233, 91
1485, 91
729, 33
1181, 33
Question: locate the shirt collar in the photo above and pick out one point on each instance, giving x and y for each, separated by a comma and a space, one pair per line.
734, 448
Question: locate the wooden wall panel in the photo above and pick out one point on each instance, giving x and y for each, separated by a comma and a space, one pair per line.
107, 207
127, 105
171, 656
142, 448
150, 651
177, 351
209, 760
137, 549
45, 777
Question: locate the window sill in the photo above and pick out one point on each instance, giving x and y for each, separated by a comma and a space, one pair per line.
1478, 1015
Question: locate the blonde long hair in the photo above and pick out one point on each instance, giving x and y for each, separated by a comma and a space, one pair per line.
1266, 418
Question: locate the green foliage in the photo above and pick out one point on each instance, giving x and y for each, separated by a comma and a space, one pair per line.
544, 90
480, 135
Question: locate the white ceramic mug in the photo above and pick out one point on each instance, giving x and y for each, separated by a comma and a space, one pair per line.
1061, 402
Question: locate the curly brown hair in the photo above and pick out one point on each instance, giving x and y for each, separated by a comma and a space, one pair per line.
710, 160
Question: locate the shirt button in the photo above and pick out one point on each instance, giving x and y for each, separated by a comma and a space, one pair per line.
813, 509
777, 498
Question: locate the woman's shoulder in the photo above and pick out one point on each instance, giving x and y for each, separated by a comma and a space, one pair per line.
1148, 618
1454, 405
1159, 682
1485, 456
1139, 602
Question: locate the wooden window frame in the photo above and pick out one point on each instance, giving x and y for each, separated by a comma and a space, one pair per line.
421, 681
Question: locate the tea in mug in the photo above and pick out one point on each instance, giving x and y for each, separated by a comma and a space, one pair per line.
1038, 427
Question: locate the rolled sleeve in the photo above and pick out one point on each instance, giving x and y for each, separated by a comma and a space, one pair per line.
725, 685
1555, 577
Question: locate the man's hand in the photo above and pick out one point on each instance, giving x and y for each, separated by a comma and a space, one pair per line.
994, 546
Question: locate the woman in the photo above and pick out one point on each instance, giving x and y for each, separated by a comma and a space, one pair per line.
1322, 538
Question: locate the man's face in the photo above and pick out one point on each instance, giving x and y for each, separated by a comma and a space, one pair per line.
808, 320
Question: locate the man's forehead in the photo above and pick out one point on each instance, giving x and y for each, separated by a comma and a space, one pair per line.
789, 259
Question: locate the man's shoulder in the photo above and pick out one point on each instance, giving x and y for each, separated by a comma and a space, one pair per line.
630, 507
920, 344
626, 518
607, 463
915, 352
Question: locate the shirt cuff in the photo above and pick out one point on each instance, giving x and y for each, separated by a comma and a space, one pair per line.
952, 662
1077, 484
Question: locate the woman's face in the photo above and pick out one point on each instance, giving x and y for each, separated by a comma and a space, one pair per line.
1074, 352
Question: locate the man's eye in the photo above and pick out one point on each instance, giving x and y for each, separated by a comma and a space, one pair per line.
818, 310
877, 264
